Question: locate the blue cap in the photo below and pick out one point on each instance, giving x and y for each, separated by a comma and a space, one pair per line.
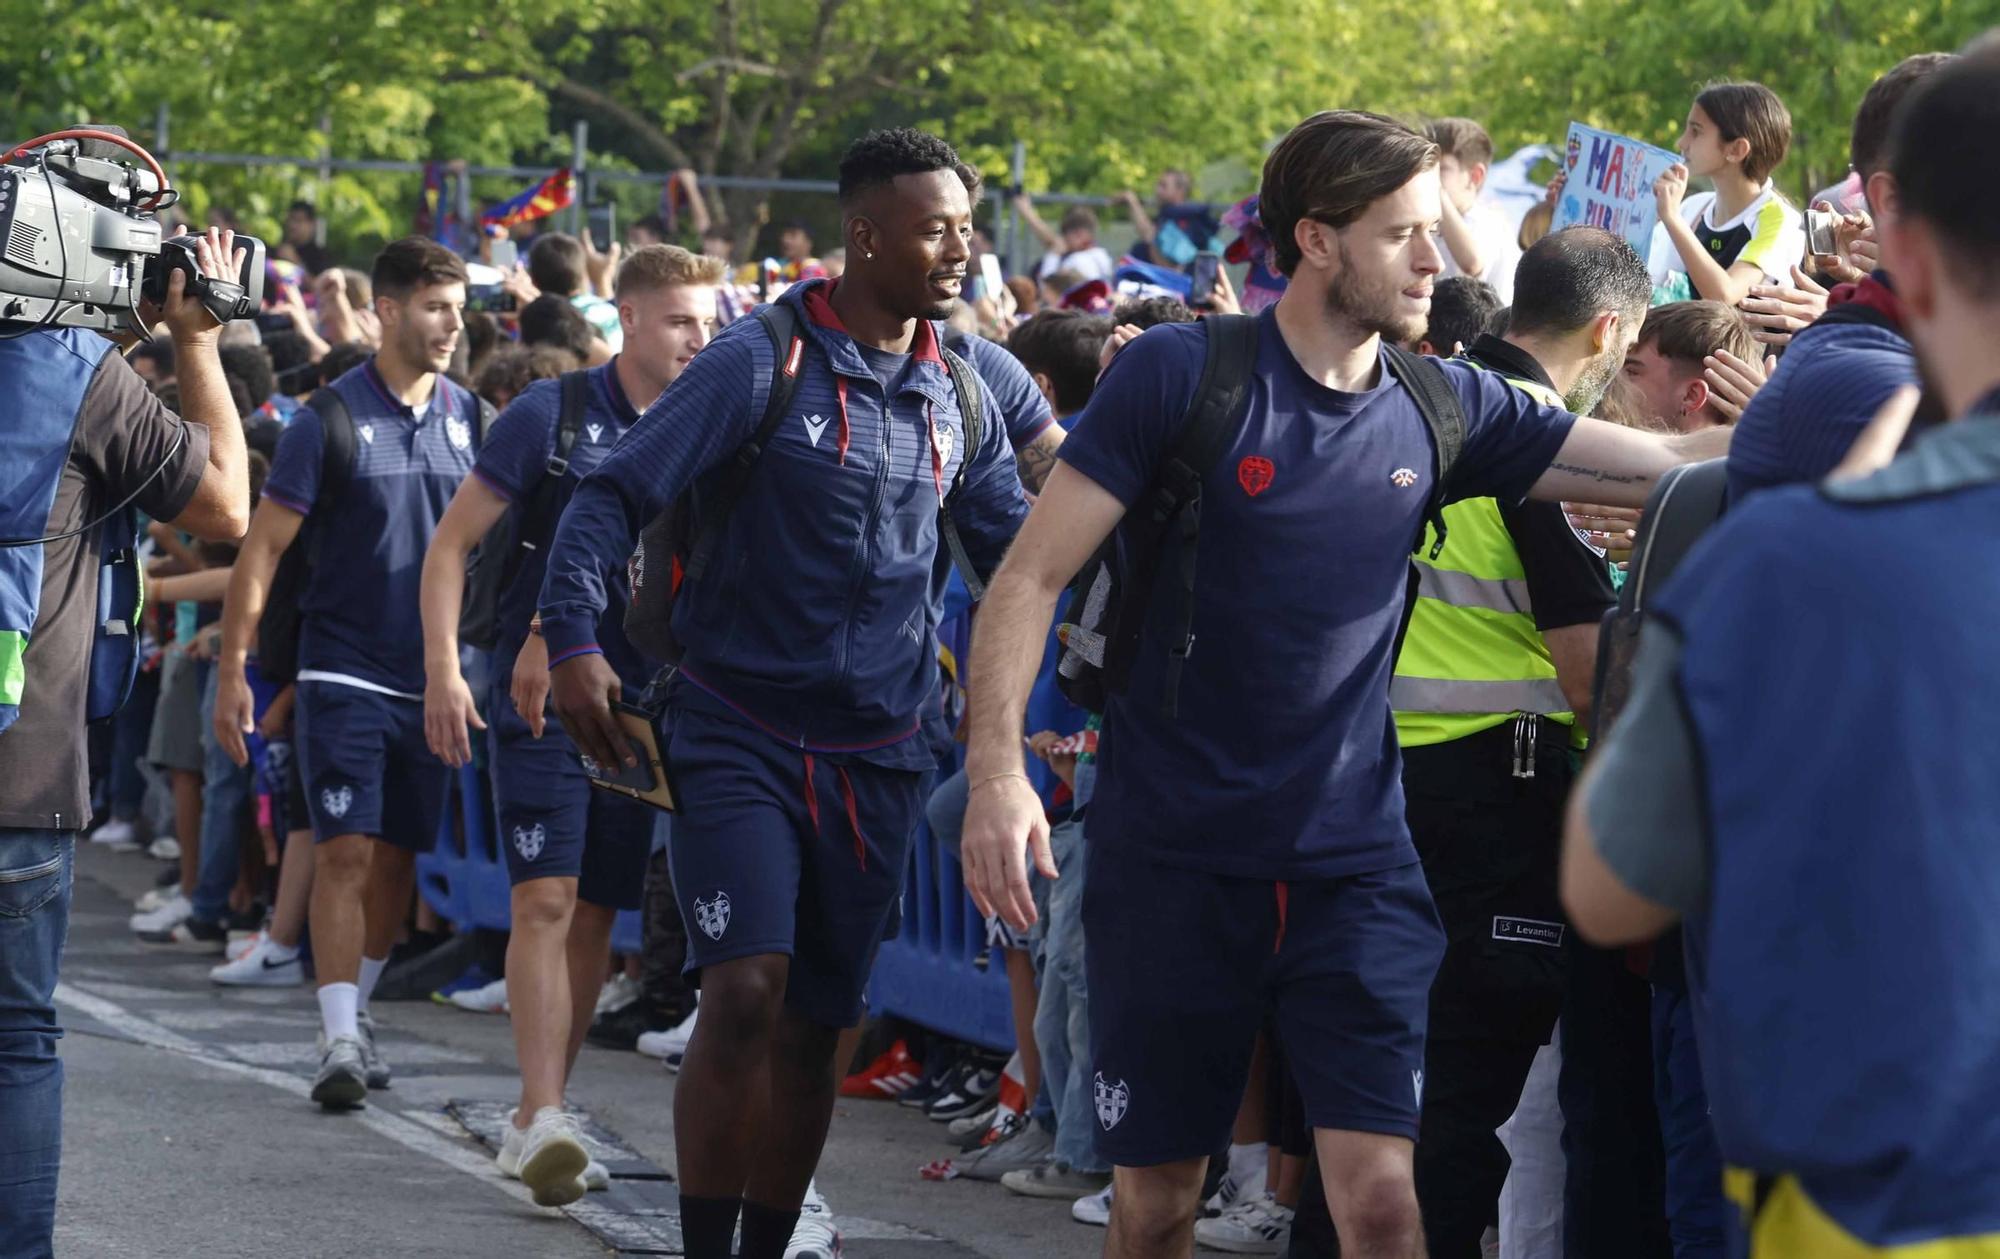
1832, 380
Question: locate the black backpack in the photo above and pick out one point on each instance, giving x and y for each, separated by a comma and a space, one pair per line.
278, 629
1110, 597
672, 550
525, 527
1680, 509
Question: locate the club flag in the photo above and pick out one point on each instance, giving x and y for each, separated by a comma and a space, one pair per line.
540, 201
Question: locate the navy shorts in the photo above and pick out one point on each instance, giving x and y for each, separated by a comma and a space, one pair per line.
779, 851
366, 767
554, 824
1184, 966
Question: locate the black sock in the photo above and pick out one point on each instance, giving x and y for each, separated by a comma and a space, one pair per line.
766, 1231
708, 1226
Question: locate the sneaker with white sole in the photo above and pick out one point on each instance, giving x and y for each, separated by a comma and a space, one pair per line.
157, 895
596, 1177
342, 1082
671, 1044
973, 1125
1096, 1209
242, 944
1254, 1226
487, 999
815, 1236
1055, 1180
265, 964
165, 848
171, 912
1029, 1148
372, 1063
618, 992
553, 1159
191, 933
1232, 1191
116, 831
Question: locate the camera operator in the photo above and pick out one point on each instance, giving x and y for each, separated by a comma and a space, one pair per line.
122, 445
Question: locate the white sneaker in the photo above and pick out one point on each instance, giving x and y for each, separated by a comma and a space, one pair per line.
553, 1159
596, 1177
815, 1236
1096, 1209
342, 1083
490, 999
154, 897
263, 965
165, 848
619, 991
1254, 1226
672, 1044
1232, 1191
240, 946
960, 1129
172, 912
114, 832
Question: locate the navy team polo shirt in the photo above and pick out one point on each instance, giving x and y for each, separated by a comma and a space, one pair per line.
1283, 761
512, 463
361, 624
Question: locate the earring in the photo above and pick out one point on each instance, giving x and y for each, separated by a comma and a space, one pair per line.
869, 257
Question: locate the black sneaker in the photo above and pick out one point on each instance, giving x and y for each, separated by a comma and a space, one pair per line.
949, 1063
621, 1029
970, 1095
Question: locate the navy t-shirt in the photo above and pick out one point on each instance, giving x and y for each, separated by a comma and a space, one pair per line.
512, 463
1283, 760
1021, 406
361, 625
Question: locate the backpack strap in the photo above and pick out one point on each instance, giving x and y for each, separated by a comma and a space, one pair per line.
1210, 426
337, 452
1438, 403
964, 383
569, 420
781, 323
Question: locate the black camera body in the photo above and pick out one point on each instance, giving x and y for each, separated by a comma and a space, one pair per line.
79, 250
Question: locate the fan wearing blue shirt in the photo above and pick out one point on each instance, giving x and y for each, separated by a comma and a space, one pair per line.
810, 658
575, 855
1265, 821
375, 791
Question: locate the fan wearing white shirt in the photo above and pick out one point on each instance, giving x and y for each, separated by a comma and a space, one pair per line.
1478, 240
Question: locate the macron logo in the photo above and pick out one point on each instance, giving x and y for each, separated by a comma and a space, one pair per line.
815, 425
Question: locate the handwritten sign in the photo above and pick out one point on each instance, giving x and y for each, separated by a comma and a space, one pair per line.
1610, 184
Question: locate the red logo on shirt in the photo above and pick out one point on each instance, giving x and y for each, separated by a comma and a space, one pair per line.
1254, 474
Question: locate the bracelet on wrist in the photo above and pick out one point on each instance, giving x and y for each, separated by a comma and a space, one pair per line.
992, 778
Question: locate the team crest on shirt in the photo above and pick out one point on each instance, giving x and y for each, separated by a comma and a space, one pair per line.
595, 431
1255, 474
367, 432
1113, 1100
947, 441
335, 800
458, 431
1403, 478
712, 915
528, 841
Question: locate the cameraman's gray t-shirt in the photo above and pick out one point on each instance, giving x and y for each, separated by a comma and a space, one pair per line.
123, 433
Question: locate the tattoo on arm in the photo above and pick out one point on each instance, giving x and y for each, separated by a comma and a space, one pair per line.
1038, 458
1597, 474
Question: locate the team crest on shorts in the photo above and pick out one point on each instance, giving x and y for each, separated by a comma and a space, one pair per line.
528, 841
458, 431
1113, 1100
712, 915
335, 800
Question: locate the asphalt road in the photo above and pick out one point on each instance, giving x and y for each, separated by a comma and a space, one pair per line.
187, 1130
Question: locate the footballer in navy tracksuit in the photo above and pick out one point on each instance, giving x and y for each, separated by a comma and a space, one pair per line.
795, 740
363, 758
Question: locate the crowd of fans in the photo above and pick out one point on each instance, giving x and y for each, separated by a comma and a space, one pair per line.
1569, 1103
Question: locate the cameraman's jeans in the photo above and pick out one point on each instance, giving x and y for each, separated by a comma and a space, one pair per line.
225, 810
1062, 1017
36, 880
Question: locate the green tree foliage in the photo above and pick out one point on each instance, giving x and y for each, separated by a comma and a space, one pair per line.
1104, 92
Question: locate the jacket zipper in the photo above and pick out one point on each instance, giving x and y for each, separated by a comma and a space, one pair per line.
858, 574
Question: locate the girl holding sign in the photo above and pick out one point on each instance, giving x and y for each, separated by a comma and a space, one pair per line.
1715, 245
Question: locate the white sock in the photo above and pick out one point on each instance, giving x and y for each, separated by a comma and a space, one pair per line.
371, 970
1245, 1160
337, 1004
